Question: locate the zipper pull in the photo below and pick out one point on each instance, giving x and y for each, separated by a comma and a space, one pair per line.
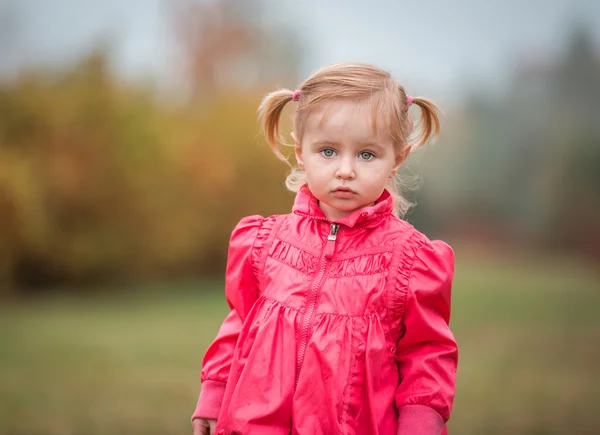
331, 238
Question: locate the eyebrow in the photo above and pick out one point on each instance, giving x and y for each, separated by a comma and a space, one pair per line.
360, 144
371, 145
324, 142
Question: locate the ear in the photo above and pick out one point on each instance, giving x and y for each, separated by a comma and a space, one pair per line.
400, 158
298, 151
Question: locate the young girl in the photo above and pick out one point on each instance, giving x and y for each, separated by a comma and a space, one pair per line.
339, 310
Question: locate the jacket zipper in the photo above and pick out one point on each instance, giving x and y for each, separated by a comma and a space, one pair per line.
310, 309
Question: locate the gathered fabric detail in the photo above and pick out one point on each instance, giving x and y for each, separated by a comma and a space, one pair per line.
362, 265
263, 238
399, 280
294, 257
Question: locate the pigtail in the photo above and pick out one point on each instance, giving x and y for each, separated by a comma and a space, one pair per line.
269, 114
429, 124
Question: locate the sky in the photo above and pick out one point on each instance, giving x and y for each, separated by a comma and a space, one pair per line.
441, 46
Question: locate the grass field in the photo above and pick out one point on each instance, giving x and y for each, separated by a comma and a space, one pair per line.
528, 331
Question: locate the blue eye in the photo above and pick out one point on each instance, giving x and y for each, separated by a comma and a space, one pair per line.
328, 152
366, 155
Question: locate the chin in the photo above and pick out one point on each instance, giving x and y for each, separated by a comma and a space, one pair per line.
346, 206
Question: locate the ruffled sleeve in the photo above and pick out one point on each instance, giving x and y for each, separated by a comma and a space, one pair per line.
241, 290
427, 353
264, 234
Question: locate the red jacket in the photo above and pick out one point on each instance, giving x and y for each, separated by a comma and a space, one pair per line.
334, 327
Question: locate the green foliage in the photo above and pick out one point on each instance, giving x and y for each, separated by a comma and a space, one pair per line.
103, 181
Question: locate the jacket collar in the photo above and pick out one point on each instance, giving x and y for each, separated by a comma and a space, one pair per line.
307, 205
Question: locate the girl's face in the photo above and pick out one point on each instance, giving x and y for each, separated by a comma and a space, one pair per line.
347, 163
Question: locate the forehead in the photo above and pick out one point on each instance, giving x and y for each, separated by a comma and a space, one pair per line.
343, 120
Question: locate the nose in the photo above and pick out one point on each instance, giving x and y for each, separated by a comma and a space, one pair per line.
345, 170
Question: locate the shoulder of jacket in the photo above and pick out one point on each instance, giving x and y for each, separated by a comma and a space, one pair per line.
413, 244
259, 221
405, 234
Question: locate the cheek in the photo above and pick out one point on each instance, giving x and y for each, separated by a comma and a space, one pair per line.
316, 175
377, 169
317, 163
316, 172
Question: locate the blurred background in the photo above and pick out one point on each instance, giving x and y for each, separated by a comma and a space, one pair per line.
129, 148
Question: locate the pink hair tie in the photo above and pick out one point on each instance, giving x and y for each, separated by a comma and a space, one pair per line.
296, 95
409, 100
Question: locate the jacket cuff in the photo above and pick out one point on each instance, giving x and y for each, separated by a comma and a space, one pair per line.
209, 402
419, 419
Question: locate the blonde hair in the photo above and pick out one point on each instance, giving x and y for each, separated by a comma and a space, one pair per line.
360, 83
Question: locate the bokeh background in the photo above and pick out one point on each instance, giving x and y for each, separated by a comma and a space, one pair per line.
129, 148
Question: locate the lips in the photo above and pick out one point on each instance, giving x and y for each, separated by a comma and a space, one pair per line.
343, 192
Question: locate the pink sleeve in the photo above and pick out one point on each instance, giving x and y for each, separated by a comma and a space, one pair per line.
427, 353
241, 290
